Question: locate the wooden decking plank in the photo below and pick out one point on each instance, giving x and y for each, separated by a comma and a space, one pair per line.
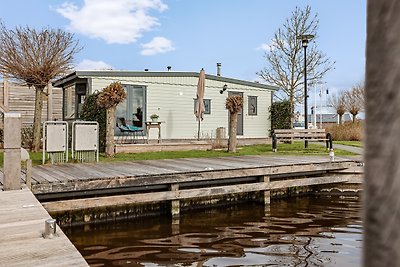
73, 171
152, 168
21, 224
91, 171
179, 167
227, 163
105, 169
201, 164
123, 169
110, 170
162, 165
54, 174
42, 176
189, 164
238, 162
137, 168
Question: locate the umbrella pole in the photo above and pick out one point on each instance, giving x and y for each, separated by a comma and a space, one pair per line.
198, 131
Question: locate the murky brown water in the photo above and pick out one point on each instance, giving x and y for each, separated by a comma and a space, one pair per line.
306, 231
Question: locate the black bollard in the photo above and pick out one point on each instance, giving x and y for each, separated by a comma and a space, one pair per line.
329, 144
274, 142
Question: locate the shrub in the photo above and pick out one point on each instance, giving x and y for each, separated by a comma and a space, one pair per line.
280, 115
27, 137
348, 131
91, 111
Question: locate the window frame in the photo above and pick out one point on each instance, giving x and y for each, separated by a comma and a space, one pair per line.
252, 100
207, 106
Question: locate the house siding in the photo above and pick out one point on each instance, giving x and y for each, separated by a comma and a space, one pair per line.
172, 98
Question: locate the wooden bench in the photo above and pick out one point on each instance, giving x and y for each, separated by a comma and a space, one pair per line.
290, 135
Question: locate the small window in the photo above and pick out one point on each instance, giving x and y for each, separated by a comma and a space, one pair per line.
252, 105
207, 105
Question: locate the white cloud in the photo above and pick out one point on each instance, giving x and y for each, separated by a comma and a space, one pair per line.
265, 47
156, 46
115, 21
268, 47
88, 64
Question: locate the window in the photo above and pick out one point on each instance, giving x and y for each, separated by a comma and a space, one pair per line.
69, 102
133, 108
207, 105
252, 101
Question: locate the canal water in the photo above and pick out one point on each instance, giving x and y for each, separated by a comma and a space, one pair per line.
303, 231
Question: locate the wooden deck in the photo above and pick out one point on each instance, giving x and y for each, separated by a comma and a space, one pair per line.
95, 176
22, 220
73, 177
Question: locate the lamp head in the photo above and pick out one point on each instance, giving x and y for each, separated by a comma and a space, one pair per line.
305, 38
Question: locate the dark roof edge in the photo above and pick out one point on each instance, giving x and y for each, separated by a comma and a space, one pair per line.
108, 73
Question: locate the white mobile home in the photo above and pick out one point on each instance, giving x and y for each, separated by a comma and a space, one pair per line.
172, 96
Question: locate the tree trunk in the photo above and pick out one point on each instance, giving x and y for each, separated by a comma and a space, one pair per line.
382, 167
353, 117
110, 123
340, 119
37, 118
232, 141
291, 111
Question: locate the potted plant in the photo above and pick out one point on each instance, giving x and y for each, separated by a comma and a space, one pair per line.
154, 117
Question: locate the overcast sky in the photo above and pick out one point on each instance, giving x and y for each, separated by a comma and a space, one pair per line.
189, 35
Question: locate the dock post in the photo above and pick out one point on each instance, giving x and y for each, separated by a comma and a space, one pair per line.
28, 173
266, 193
12, 151
175, 209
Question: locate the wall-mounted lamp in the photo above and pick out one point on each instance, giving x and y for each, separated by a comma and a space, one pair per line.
223, 89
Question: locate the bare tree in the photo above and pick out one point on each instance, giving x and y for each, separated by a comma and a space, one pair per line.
109, 98
233, 104
337, 101
354, 100
359, 92
36, 57
285, 61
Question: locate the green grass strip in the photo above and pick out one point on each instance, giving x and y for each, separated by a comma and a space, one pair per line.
296, 148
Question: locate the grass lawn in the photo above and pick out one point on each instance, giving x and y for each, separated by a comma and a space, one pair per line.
297, 148
350, 143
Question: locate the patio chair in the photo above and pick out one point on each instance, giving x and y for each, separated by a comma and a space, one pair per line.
128, 130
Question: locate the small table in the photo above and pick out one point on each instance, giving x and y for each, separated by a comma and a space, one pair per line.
156, 125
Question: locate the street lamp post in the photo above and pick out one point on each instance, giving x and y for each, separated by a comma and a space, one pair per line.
305, 38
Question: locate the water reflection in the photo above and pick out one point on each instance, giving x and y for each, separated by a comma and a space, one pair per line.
306, 231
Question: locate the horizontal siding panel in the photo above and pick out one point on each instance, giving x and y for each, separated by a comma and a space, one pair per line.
172, 98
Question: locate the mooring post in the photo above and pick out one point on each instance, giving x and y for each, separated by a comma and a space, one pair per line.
28, 173
175, 203
12, 151
267, 193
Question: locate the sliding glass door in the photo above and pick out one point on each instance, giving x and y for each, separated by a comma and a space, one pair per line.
133, 107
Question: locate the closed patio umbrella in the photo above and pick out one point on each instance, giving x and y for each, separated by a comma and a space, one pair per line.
199, 110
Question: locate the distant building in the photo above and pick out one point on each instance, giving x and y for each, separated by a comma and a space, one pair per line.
328, 119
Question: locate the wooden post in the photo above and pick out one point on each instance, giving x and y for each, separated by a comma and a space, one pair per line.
175, 209
266, 193
382, 156
12, 151
28, 173
6, 88
49, 102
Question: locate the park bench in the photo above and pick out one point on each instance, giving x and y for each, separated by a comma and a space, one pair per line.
290, 135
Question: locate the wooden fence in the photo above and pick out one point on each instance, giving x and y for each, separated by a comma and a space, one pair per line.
15, 97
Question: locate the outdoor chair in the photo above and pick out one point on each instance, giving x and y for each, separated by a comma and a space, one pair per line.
128, 130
